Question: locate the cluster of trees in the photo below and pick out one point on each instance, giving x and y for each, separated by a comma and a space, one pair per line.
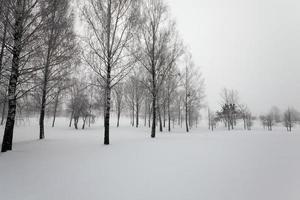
37, 45
133, 48
129, 52
288, 118
231, 111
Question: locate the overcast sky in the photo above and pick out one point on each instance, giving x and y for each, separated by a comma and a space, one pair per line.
252, 46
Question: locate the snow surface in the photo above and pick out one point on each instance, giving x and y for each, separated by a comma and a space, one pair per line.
74, 165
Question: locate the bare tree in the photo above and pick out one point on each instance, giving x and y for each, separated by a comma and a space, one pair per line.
119, 97
212, 121
193, 85
4, 33
62, 85
26, 23
172, 84
272, 118
111, 27
58, 48
129, 93
229, 107
290, 118
79, 102
157, 38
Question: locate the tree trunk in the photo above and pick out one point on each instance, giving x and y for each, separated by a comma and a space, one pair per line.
55, 109
190, 118
3, 109
149, 115
42, 117
164, 115
153, 127
132, 115
137, 115
84, 121
118, 116
169, 116
76, 122
179, 114
108, 78
13, 80
5, 23
186, 115
43, 105
107, 112
160, 120
70, 124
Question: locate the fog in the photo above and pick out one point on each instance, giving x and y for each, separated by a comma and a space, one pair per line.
250, 46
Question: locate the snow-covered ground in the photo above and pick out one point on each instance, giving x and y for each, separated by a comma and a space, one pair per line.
74, 165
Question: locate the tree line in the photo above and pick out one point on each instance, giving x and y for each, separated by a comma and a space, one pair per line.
129, 51
232, 110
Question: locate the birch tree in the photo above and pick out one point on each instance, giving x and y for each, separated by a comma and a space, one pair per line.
155, 39
111, 26
119, 97
25, 25
58, 47
193, 86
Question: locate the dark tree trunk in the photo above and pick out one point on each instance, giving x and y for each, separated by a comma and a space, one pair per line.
153, 127
107, 105
107, 114
76, 122
137, 115
186, 116
41, 121
13, 80
164, 115
160, 121
42, 112
118, 116
132, 115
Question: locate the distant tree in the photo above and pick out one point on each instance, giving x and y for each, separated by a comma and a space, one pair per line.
271, 118
263, 120
229, 107
172, 83
58, 47
158, 49
193, 86
119, 97
212, 121
275, 112
246, 115
290, 118
79, 102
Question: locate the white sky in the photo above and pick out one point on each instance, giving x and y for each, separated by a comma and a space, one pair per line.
252, 46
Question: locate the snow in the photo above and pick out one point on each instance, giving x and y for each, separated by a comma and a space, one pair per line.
222, 165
